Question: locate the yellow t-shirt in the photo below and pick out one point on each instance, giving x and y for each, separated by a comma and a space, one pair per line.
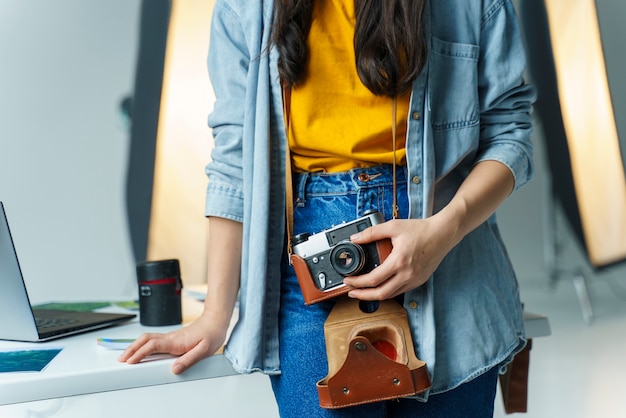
336, 123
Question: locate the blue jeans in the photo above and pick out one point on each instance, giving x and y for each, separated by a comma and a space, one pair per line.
321, 201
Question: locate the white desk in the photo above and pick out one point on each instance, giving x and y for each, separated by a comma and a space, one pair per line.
85, 379
84, 371
82, 367
536, 325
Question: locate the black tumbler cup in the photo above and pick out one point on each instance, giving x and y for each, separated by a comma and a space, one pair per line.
160, 288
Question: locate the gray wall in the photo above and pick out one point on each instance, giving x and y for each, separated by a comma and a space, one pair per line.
66, 65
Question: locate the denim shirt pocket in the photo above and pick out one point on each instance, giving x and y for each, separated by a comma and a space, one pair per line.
454, 101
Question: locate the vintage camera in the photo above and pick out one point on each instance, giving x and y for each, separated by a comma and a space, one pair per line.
330, 256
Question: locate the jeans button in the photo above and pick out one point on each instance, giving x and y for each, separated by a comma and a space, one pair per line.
364, 177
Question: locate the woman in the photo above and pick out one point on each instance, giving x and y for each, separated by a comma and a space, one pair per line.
449, 73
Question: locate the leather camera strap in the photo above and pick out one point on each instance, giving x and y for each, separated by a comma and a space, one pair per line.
288, 171
394, 122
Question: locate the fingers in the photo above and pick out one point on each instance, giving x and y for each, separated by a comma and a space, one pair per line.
372, 293
147, 345
394, 276
409, 265
380, 274
192, 344
374, 278
190, 358
379, 284
132, 349
374, 233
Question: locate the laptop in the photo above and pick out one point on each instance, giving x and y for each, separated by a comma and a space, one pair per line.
19, 321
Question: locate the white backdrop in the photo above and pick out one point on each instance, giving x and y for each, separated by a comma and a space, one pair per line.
65, 65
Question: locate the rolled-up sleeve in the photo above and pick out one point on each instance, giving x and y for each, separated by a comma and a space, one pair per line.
505, 99
228, 62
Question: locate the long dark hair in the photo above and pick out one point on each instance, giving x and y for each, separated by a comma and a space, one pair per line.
388, 41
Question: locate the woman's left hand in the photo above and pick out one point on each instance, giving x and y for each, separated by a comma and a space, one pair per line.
419, 246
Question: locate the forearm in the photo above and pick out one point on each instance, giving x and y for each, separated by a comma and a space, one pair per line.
224, 268
483, 191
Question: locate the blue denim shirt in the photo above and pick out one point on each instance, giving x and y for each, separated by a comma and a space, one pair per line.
470, 104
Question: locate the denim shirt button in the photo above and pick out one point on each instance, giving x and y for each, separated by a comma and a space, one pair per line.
416, 179
413, 304
415, 115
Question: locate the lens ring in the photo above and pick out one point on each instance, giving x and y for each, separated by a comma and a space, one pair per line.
347, 258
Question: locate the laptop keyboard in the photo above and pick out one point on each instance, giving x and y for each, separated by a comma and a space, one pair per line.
45, 323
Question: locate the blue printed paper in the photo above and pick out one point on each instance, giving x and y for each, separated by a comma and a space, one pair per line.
26, 360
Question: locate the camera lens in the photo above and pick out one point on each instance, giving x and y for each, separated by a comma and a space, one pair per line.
347, 258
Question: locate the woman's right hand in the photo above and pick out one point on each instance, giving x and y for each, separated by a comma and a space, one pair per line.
204, 336
192, 343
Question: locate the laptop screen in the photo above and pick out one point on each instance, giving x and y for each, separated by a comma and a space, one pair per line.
17, 321
17, 318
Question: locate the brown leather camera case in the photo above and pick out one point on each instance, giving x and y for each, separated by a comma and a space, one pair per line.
358, 372
310, 291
